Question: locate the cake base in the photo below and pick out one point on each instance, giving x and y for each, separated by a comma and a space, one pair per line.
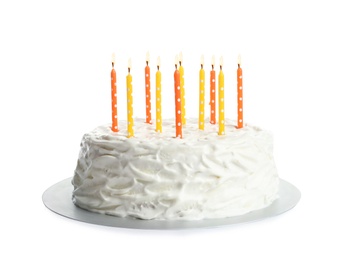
58, 199
155, 176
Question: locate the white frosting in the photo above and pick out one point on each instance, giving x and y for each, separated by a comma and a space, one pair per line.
156, 176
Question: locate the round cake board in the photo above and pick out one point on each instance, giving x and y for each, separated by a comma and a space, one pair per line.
58, 198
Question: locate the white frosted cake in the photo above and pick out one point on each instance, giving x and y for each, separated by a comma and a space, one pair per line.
157, 176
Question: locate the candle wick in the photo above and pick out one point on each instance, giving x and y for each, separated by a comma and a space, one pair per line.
147, 62
158, 67
128, 70
220, 67
201, 66
212, 66
238, 65
180, 63
176, 65
112, 64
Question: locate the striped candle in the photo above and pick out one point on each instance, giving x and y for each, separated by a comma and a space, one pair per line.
130, 120
178, 102
221, 100
212, 93
240, 95
201, 95
148, 91
182, 88
158, 98
114, 126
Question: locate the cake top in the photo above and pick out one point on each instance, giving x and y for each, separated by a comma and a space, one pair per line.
192, 135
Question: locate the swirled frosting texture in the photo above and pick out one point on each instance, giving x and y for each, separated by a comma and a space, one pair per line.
157, 176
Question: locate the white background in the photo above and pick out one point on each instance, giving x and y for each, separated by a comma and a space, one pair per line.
55, 61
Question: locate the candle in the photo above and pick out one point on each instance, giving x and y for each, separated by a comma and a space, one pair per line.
240, 95
158, 98
201, 95
212, 92
178, 105
148, 92
114, 96
221, 100
130, 120
182, 92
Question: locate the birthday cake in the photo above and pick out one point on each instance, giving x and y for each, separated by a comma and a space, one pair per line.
157, 176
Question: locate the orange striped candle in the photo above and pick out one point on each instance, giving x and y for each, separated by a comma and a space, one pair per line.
240, 95
114, 96
148, 92
212, 92
178, 102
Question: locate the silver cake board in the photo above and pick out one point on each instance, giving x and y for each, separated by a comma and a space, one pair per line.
58, 198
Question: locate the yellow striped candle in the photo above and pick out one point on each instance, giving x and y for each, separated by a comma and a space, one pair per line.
182, 89
221, 100
148, 91
130, 120
201, 95
158, 98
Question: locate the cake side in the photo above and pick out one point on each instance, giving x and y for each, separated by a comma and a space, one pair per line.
157, 176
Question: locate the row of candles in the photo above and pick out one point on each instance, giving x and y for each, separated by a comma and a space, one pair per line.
179, 90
